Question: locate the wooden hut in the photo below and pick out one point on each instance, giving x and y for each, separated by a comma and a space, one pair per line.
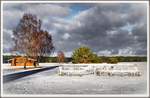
23, 61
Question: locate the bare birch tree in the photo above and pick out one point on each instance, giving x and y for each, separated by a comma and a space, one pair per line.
30, 39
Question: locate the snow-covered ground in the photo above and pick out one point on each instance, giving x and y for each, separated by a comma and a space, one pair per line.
8, 65
8, 69
49, 82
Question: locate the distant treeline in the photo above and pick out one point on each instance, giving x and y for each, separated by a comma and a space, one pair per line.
103, 58
126, 58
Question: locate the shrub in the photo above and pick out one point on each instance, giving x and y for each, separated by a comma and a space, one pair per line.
96, 59
112, 60
84, 55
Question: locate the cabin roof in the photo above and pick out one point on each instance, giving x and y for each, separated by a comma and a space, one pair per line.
22, 57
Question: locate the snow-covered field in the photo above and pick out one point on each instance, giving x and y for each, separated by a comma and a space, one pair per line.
49, 82
8, 69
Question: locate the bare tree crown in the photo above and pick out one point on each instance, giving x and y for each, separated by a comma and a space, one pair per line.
30, 39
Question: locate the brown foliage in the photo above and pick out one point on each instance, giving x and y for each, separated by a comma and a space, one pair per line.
30, 39
60, 57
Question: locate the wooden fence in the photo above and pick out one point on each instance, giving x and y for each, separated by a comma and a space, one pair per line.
99, 69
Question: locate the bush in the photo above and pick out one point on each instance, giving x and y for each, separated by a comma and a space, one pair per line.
112, 60
96, 59
84, 55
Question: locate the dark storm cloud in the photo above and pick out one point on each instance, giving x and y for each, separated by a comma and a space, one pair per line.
102, 27
93, 28
13, 12
96, 22
7, 40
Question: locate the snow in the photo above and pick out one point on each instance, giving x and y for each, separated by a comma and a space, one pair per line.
8, 69
49, 82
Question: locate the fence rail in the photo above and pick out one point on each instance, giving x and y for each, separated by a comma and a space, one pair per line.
99, 69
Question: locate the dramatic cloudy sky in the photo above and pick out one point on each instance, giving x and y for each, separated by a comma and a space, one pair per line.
108, 29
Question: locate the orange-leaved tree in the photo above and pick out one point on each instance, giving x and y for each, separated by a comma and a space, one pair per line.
60, 57
30, 39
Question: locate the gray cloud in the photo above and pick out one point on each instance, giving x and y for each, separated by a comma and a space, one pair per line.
103, 27
7, 40
92, 28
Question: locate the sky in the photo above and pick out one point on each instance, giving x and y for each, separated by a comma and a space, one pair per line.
106, 28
